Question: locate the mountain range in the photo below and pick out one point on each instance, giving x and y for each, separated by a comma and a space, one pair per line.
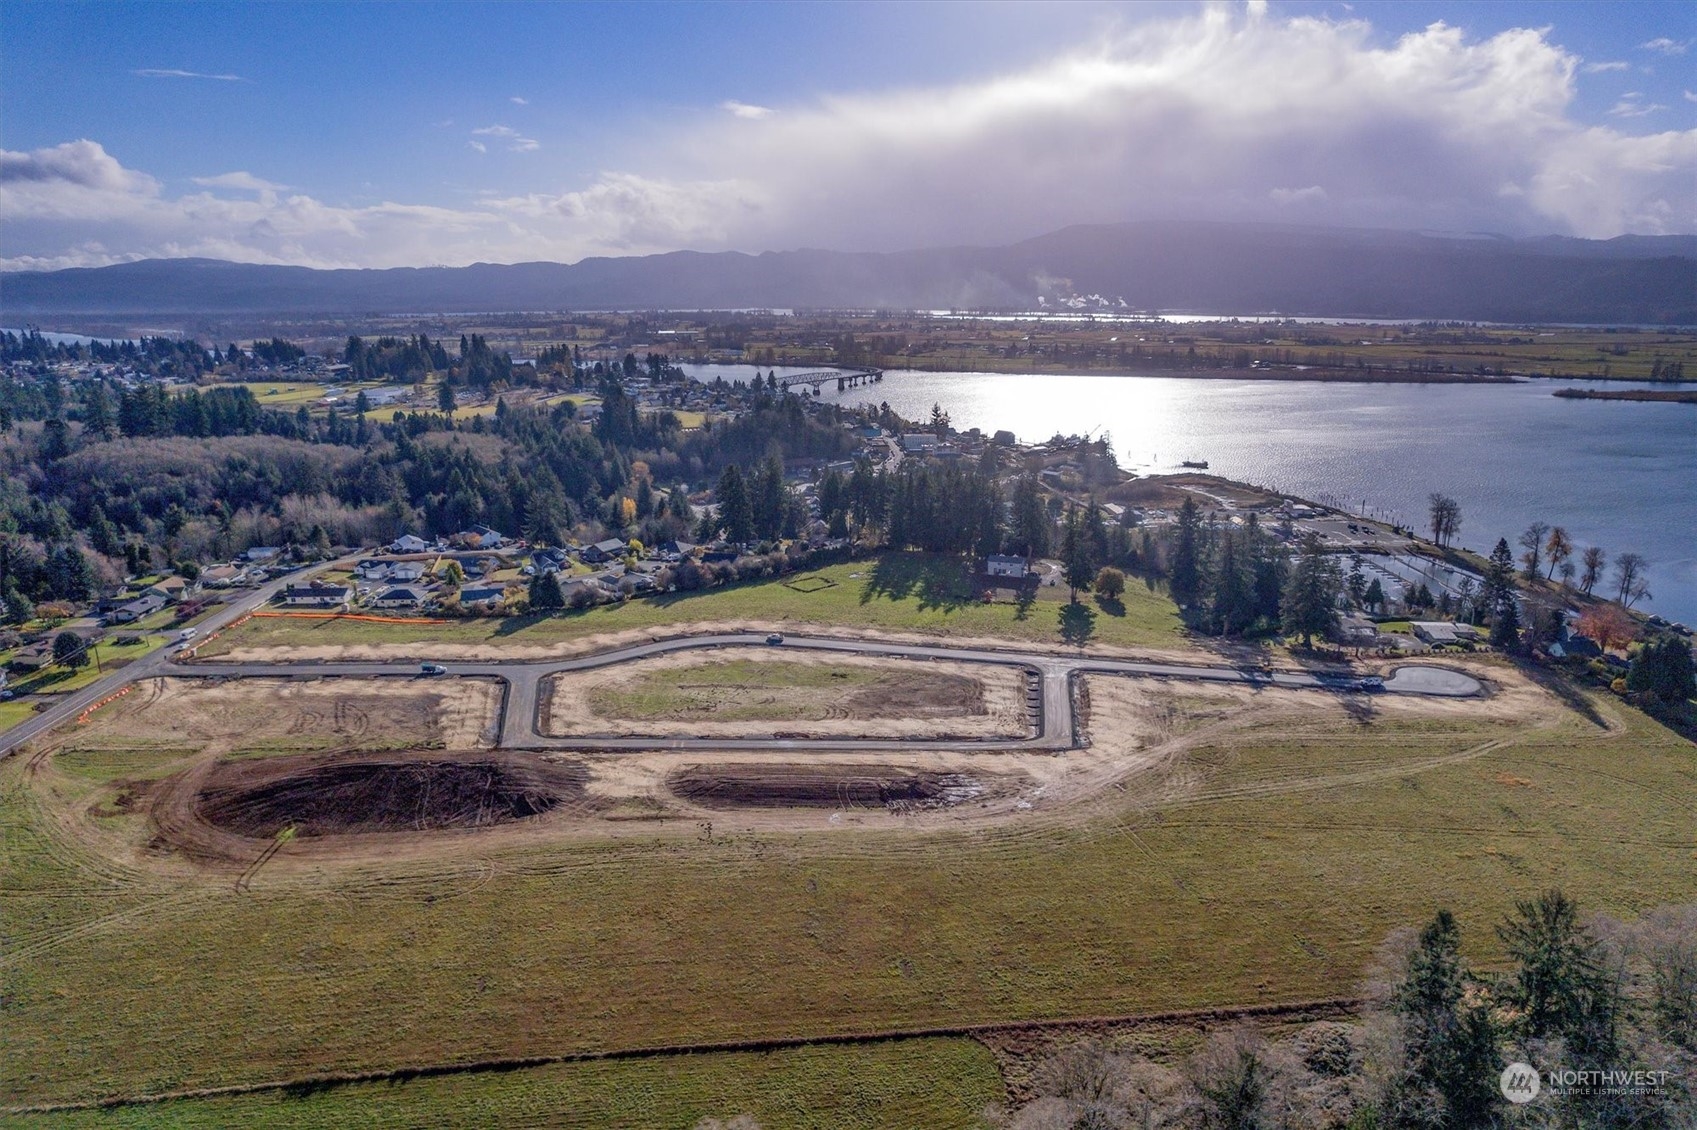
1184, 266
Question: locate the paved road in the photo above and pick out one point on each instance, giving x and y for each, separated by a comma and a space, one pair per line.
159, 662
1053, 727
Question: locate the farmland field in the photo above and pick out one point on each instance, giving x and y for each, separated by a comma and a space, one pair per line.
939, 1084
1261, 855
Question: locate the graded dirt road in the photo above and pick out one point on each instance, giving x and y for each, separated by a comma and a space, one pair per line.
1056, 726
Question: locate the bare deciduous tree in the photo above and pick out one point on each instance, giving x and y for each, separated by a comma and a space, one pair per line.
1532, 549
1445, 517
1594, 560
1631, 578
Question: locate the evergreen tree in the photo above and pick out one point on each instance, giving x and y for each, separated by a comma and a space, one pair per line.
1356, 582
1233, 604
1499, 596
736, 512
1663, 667
766, 496
1184, 572
1561, 986
1075, 554
68, 574
545, 595
1311, 597
1375, 595
55, 440
97, 418
1448, 1077
1030, 535
69, 651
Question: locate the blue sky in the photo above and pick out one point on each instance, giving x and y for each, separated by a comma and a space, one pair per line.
380, 134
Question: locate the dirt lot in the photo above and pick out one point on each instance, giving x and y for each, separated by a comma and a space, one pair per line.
897, 788
744, 692
1155, 744
228, 810
280, 715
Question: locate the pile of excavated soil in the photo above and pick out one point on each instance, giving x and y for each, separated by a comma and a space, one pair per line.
327, 796
828, 786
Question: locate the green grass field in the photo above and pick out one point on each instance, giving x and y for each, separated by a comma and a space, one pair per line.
931, 1083
1296, 845
11, 713
104, 658
899, 592
701, 691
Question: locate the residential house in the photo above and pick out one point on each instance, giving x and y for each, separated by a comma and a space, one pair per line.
262, 553
172, 589
612, 549
406, 572
1577, 647
918, 443
408, 543
1014, 568
32, 657
145, 605
677, 548
481, 596
399, 598
220, 576
317, 594
1442, 631
550, 560
481, 537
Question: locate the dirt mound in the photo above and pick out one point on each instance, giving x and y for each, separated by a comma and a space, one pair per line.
829, 786
351, 794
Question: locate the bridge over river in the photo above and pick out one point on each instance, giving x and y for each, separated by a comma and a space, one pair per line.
845, 378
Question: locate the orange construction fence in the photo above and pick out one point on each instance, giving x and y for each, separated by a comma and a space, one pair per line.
352, 616
84, 716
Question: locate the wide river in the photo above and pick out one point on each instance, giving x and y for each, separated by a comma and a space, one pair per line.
1617, 474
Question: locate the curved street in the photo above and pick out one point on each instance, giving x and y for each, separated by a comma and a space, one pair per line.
1054, 721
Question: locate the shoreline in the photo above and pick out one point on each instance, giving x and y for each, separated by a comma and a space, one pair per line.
1657, 396
1324, 376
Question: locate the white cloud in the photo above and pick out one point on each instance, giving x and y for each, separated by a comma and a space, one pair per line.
1662, 45
157, 72
1691, 96
745, 110
516, 142
1602, 68
245, 182
518, 101
1632, 105
1221, 114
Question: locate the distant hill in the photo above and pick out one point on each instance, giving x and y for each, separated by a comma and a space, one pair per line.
1201, 267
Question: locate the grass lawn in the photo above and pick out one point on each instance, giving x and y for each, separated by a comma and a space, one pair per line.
293, 394
931, 1083
61, 680
899, 591
1273, 868
701, 693
11, 713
